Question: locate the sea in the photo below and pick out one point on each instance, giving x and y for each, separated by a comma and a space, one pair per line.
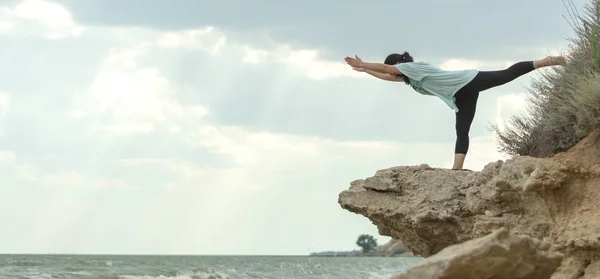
199, 267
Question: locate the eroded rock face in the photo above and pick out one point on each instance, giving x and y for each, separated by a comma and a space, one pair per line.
499, 255
553, 199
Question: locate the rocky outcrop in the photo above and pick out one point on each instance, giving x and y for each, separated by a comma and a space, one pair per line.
497, 255
556, 200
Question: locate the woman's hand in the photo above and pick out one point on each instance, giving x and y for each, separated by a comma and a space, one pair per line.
354, 62
372, 67
358, 69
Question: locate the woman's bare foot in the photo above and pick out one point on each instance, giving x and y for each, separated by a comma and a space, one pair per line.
558, 60
550, 61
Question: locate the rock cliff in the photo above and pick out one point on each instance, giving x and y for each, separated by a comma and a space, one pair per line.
499, 255
554, 200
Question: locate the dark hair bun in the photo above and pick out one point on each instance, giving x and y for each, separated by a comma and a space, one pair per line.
396, 58
406, 57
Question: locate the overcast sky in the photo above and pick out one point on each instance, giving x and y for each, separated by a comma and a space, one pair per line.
231, 126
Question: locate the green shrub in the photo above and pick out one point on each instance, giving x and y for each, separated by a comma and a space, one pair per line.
564, 103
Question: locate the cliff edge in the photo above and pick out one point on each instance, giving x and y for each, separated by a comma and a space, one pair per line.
554, 200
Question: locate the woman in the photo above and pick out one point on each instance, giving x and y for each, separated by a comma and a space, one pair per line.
458, 89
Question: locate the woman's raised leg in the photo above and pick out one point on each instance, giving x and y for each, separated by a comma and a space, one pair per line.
489, 79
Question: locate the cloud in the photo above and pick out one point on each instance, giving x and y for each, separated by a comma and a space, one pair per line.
250, 148
263, 151
512, 102
128, 128
40, 177
5, 26
508, 106
129, 91
212, 40
7, 157
463, 64
133, 97
187, 170
4, 103
4, 108
137, 97
40, 17
140, 125
306, 61
327, 28
206, 39
362, 145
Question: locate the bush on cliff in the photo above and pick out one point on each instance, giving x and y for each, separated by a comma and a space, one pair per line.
564, 104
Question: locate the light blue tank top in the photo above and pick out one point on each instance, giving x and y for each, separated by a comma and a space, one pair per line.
429, 80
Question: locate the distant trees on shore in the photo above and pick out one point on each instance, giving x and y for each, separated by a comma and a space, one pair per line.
367, 242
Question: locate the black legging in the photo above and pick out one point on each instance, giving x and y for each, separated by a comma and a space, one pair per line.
466, 98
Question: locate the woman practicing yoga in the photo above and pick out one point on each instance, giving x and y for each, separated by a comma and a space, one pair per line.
458, 89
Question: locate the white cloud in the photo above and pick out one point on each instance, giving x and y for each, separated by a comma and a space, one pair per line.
252, 148
134, 96
199, 111
62, 179
128, 128
305, 61
275, 151
49, 13
69, 179
6, 23
187, 170
255, 179
4, 106
512, 102
467, 64
314, 68
211, 40
175, 129
207, 39
7, 157
5, 26
40, 16
369, 145
77, 114
508, 106
4, 103
254, 56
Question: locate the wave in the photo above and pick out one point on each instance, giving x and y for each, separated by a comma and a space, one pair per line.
200, 273
36, 275
22, 262
95, 262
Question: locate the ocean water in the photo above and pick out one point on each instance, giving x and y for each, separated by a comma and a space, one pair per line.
199, 267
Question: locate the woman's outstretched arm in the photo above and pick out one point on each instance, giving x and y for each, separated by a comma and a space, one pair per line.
375, 67
383, 76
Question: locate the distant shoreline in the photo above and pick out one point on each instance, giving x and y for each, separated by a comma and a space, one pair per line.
360, 254
197, 255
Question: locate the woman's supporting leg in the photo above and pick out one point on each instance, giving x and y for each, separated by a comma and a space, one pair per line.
466, 101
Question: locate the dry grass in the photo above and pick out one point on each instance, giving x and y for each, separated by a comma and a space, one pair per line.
564, 104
